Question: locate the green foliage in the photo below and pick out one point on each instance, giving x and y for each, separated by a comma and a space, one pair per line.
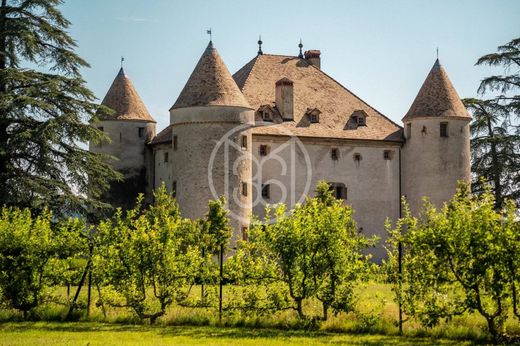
495, 131
148, 258
34, 253
44, 114
460, 258
508, 57
312, 252
494, 150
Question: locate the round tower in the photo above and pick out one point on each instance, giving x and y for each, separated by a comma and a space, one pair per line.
129, 128
436, 153
211, 143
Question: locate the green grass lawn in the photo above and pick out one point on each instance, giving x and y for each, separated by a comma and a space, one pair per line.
374, 322
92, 333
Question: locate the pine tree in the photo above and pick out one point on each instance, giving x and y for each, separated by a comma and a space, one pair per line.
45, 113
507, 56
495, 130
495, 150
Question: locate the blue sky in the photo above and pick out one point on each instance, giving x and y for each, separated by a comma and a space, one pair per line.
380, 50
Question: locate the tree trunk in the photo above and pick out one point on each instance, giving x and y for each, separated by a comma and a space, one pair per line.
89, 291
221, 282
496, 167
325, 311
101, 302
3, 112
299, 308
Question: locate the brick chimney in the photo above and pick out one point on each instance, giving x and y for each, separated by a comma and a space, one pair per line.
284, 98
313, 57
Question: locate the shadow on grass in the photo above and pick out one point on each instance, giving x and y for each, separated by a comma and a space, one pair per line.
221, 332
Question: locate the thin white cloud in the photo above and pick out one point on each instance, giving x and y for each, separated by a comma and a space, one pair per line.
134, 19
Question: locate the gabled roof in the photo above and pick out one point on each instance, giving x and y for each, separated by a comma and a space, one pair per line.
312, 89
210, 84
437, 97
124, 100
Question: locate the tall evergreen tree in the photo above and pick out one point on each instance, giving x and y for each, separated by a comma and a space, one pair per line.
508, 84
495, 130
45, 113
495, 150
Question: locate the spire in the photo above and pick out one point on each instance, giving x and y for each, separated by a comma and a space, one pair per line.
260, 45
210, 84
437, 97
124, 100
300, 46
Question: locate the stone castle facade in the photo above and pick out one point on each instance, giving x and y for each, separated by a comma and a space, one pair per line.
271, 131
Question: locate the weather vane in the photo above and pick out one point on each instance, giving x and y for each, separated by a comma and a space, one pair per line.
209, 33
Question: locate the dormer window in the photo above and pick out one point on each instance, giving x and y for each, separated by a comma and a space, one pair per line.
358, 119
266, 116
314, 115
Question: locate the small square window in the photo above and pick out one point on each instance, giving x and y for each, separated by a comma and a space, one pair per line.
175, 142
166, 157
263, 150
266, 116
357, 157
244, 189
408, 131
174, 188
334, 154
244, 142
361, 120
444, 129
338, 190
140, 132
387, 154
315, 118
266, 191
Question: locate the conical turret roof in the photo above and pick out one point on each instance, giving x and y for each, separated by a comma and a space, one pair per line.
437, 97
125, 101
210, 84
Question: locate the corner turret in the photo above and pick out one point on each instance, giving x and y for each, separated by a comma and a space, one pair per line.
129, 127
436, 153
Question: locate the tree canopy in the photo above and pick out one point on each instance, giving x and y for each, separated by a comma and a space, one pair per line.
45, 109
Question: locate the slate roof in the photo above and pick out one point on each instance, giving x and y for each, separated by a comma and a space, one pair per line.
125, 101
312, 89
210, 84
437, 97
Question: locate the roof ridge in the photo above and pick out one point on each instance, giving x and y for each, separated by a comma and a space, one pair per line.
353, 94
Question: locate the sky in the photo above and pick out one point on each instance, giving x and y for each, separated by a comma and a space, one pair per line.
380, 50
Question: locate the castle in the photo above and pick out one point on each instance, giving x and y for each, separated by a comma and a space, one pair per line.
271, 131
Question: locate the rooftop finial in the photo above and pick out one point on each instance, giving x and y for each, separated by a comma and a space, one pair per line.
122, 61
260, 45
209, 33
437, 53
301, 46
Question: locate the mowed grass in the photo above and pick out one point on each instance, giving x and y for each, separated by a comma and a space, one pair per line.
93, 333
374, 322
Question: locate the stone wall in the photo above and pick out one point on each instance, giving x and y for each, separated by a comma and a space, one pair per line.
432, 164
372, 183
